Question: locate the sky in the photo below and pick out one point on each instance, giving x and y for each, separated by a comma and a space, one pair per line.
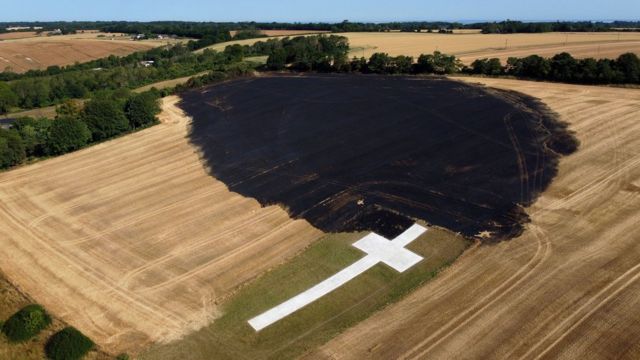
318, 11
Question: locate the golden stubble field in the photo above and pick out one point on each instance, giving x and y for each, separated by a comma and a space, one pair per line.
567, 288
469, 47
132, 241
39, 52
285, 32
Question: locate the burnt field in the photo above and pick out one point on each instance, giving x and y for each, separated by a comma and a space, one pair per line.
352, 153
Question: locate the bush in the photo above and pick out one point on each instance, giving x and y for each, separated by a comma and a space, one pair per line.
438, 63
68, 344
26, 323
487, 66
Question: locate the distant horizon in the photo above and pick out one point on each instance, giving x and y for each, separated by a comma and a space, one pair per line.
324, 21
328, 11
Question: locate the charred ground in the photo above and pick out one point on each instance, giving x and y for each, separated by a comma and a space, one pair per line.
352, 153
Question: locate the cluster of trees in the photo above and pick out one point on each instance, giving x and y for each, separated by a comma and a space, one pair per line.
301, 53
107, 115
116, 73
26, 323
382, 63
565, 68
510, 27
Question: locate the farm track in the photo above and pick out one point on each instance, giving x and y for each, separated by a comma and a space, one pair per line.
140, 242
565, 288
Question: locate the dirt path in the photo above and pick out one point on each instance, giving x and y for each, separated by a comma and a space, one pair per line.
132, 241
567, 288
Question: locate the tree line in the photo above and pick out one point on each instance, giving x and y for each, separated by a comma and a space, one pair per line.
81, 81
511, 27
329, 54
105, 116
200, 30
564, 68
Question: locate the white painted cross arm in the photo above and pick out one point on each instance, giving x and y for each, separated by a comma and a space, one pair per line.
377, 248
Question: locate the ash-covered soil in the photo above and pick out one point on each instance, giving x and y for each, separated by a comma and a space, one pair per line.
353, 152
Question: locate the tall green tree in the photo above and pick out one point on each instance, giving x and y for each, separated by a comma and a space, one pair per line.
629, 66
8, 98
34, 134
380, 63
67, 134
277, 60
141, 109
403, 64
104, 118
11, 148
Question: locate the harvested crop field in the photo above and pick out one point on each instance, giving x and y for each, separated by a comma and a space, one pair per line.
567, 288
291, 32
18, 35
469, 47
40, 52
230, 337
356, 153
132, 241
285, 32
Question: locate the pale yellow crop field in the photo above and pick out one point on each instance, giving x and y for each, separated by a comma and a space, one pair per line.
132, 241
469, 47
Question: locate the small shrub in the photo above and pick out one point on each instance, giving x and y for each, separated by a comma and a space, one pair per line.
68, 344
123, 357
26, 323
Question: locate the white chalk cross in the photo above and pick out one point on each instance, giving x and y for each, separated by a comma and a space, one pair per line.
377, 248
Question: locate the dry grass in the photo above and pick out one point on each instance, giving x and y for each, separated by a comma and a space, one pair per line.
18, 35
168, 83
47, 112
22, 56
567, 288
285, 32
469, 47
132, 241
467, 31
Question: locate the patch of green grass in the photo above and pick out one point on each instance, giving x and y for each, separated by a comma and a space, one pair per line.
231, 337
